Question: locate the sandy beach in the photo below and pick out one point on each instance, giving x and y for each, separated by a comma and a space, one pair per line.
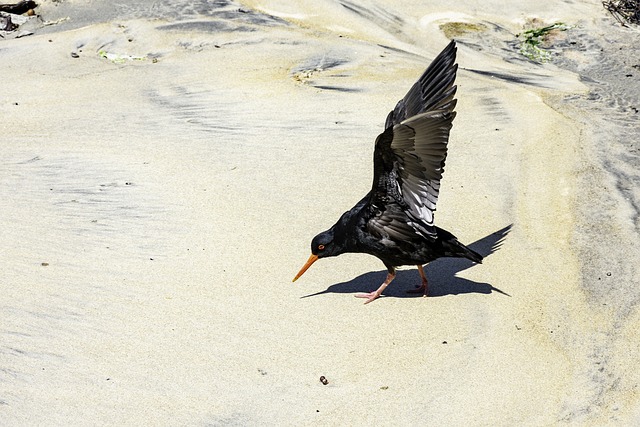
165, 167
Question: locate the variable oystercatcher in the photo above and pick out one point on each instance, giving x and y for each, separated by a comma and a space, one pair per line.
395, 221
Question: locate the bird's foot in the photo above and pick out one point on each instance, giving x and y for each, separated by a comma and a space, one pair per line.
373, 295
424, 288
369, 296
419, 290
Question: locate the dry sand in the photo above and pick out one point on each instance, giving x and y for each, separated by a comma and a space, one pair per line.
154, 211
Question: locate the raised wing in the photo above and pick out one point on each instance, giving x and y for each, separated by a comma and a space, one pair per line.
433, 90
410, 154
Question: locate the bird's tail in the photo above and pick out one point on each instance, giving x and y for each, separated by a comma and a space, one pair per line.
453, 248
471, 254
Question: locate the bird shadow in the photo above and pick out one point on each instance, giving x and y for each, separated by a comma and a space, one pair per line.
442, 275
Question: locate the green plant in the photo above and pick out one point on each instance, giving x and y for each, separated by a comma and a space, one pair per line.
531, 40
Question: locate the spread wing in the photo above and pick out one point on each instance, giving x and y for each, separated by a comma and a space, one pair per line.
410, 154
433, 90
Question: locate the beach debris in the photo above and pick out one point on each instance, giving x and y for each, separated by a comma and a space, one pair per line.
10, 23
6, 24
11, 17
18, 8
117, 58
531, 41
323, 380
625, 11
56, 22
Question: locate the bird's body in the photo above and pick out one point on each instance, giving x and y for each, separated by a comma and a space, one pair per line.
395, 220
353, 230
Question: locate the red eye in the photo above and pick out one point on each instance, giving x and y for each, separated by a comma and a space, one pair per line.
320, 247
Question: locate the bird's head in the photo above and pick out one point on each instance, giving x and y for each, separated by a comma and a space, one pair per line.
322, 246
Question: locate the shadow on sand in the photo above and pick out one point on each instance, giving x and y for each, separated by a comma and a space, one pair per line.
441, 274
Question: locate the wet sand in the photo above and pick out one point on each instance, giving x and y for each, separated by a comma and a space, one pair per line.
165, 168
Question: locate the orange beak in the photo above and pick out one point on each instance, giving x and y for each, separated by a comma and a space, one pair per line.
311, 260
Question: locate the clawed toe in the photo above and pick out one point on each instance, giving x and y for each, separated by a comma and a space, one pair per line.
422, 290
369, 296
373, 295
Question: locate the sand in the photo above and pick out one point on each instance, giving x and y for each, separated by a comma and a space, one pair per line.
166, 166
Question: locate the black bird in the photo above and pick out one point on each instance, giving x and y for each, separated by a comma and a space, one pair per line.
395, 221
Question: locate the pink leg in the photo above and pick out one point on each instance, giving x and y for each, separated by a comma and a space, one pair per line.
373, 295
424, 288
